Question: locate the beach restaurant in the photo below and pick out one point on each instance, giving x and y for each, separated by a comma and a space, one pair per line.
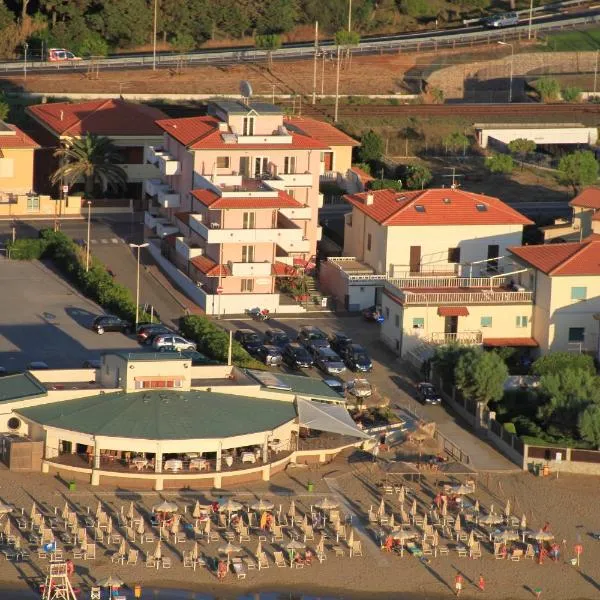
183, 426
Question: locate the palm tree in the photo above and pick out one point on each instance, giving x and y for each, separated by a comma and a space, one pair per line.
92, 158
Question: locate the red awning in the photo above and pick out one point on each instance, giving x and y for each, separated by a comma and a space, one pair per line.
516, 342
453, 311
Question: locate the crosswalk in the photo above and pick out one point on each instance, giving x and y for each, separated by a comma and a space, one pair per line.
108, 241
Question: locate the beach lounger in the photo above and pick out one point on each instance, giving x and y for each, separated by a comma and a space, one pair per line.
90, 552
132, 557
263, 562
426, 549
244, 534
339, 551
517, 554
148, 538
188, 561
475, 550
356, 548
530, 552
213, 536
238, 568
166, 562
443, 550
279, 559
277, 534
151, 562
372, 516
309, 533
95, 593
462, 551
117, 558
498, 554
388, 489
249, 562
230, 536
181, 537
414, 549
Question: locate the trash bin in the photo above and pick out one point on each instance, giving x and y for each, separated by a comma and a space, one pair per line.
72, 486
536, 469
310, 486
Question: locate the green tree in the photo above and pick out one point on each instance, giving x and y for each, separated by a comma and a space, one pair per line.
555, 362
345, 40
94, 160
417, 177
4, 108
183, 42
481, 375
371, 147
124, 23
571, 94
521, 147
277, 16
499, 163
445, 359
418, 9
269, 42
386, 184
456, 141
578, 169
589, 425
548, 88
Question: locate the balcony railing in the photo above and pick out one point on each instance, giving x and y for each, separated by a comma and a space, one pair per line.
297, 214
151, 221
168, 198
166, 163
450, 281
460, 337
466, 298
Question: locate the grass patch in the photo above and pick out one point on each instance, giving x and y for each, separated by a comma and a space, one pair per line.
573, 41
534, 441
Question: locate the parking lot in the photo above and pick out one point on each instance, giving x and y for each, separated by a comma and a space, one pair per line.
44, 319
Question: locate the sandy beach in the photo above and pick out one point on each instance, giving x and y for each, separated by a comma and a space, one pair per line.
568, 503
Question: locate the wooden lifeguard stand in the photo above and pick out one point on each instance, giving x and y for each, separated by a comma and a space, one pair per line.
58, 586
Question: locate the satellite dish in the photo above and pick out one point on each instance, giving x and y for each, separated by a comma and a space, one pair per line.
245, 89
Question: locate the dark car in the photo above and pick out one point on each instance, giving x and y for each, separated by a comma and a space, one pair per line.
428, 394
297, 357
146, 330
357, 359
373, 314
270, 355
337, 385
92, 363
329, 362
249, 339
106, 323
312, 338
339, 341
276, 337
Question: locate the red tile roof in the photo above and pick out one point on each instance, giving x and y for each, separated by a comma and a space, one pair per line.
575, 258
280, 269
440, 206
209, 267
362, 175
202, 133
589, 198
17, 140
321, 131
213, 200
453, 311
101, 117
516, 342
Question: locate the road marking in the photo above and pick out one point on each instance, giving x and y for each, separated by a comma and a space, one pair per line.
104, 241
93, 241
114, 240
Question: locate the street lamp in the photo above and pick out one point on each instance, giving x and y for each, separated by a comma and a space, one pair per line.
25, 46
87, 246
137, 287
512, 59
154, 36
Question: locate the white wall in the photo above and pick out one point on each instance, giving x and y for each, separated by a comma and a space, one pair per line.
542, 135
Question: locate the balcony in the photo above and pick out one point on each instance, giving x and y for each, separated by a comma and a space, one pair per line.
151, 221
164, 229
465, 296
250, 269
286, 180
468, 338
152, 186
167, 165
186, 249
297, 214
168, 198
417, 280
140, 172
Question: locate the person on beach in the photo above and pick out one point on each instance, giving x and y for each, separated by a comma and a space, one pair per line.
221, 570
458, 583
481, 583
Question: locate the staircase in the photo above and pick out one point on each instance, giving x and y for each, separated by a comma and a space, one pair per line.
314, 294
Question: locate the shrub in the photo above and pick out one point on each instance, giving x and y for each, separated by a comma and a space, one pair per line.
371, 147
548, 88
26, 249
510, 427
417, 177
499, 163
555, 362
571, 94
385, 184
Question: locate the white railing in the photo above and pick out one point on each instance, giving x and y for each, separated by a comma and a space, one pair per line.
168, 198
483, 297
460, 337
447, 281
448, 270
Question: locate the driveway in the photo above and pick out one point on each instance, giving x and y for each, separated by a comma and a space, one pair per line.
45, 319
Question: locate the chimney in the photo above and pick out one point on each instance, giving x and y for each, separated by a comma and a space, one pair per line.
223, 126
62, 114
370, 198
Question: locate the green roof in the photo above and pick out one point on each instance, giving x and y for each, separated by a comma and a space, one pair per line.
151, 356
19, 387
164, 415
308, 386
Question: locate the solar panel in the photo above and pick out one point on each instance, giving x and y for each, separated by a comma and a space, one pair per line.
419, 208
481, 207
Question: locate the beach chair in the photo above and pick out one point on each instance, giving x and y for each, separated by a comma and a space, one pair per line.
308, 533
188, 561
334, 515
263, 562
222, 521
355, 549
279, 559
115, 538
90, 552
517, 554
130, 534
530, 552
213, 536
98, 535
372, 516
77, 553
426, 549
238, 568
229, 536
150, 562
498, 554
475, 550
95, 593
249, 562
132, 557
181, 537
388, 489
340, 533
277, 534
462, 551
166, 562
443, 550
148, 538
244, 534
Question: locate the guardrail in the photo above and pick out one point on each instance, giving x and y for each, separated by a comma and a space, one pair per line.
415, 41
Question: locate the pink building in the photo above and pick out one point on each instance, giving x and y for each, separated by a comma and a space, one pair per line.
237, 204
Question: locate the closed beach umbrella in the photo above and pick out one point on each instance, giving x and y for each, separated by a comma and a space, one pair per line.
230, 506
445, 508
321, 545
476, 507
175, 525
122, 548
195, 551
392, 522
381, 509
17, 544
327, 504
6, 529
523, 522
436, 538
130, 513
413, 508
351, 537
262, 505
305, 520
258, 549
140, 527
109, 526
207, 526
98, 510
33, 511
507, 509
65, 512
158, 551
457, 526
403, 516
197, 513
292, 510
425, 520
112, 581
542, 536
165, 506
401, 495
296, 545
471, 539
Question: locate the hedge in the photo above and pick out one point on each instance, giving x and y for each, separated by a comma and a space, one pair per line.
214, 342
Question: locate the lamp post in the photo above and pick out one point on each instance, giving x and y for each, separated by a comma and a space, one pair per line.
512, 60
25, 46
87, 246
530, 19
154, 36
137, 286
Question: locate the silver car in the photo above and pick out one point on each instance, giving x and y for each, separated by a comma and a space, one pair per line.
329, 362
163, 343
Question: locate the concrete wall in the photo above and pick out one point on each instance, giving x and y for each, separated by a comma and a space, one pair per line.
16, 170
541, 135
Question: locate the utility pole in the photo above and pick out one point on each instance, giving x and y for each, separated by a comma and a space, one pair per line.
154, 36
596, 72
323, 74
349, 15
530, 19
314, 96
87, 245
337, 87
512, 62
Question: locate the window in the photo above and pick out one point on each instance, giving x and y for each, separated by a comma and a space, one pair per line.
397, 320
247, 285
368, 241
576, 334
291, 192
249, 220
261, 166
7, 167
522, 321
387, 312
222, 162
247, 254
289, 165
418, 323
486, 322
248, 126
453, 255
162, 382
33, 204
578, 293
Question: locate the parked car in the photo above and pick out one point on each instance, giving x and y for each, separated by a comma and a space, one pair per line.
428, 394
270, 355
297, 357
146, 330
61, 55
276, 337
329, 362
313, 339
92, 363
105, 323
499, 21
337, 385
359, 388
38, 365
373, 313
357, 359
338, 342
249, 339
164, 343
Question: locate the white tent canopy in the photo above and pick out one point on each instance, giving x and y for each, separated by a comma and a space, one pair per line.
328, 417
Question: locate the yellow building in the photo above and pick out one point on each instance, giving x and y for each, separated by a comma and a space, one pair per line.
16, 162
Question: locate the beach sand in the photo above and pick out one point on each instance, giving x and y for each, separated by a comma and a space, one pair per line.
568, 503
